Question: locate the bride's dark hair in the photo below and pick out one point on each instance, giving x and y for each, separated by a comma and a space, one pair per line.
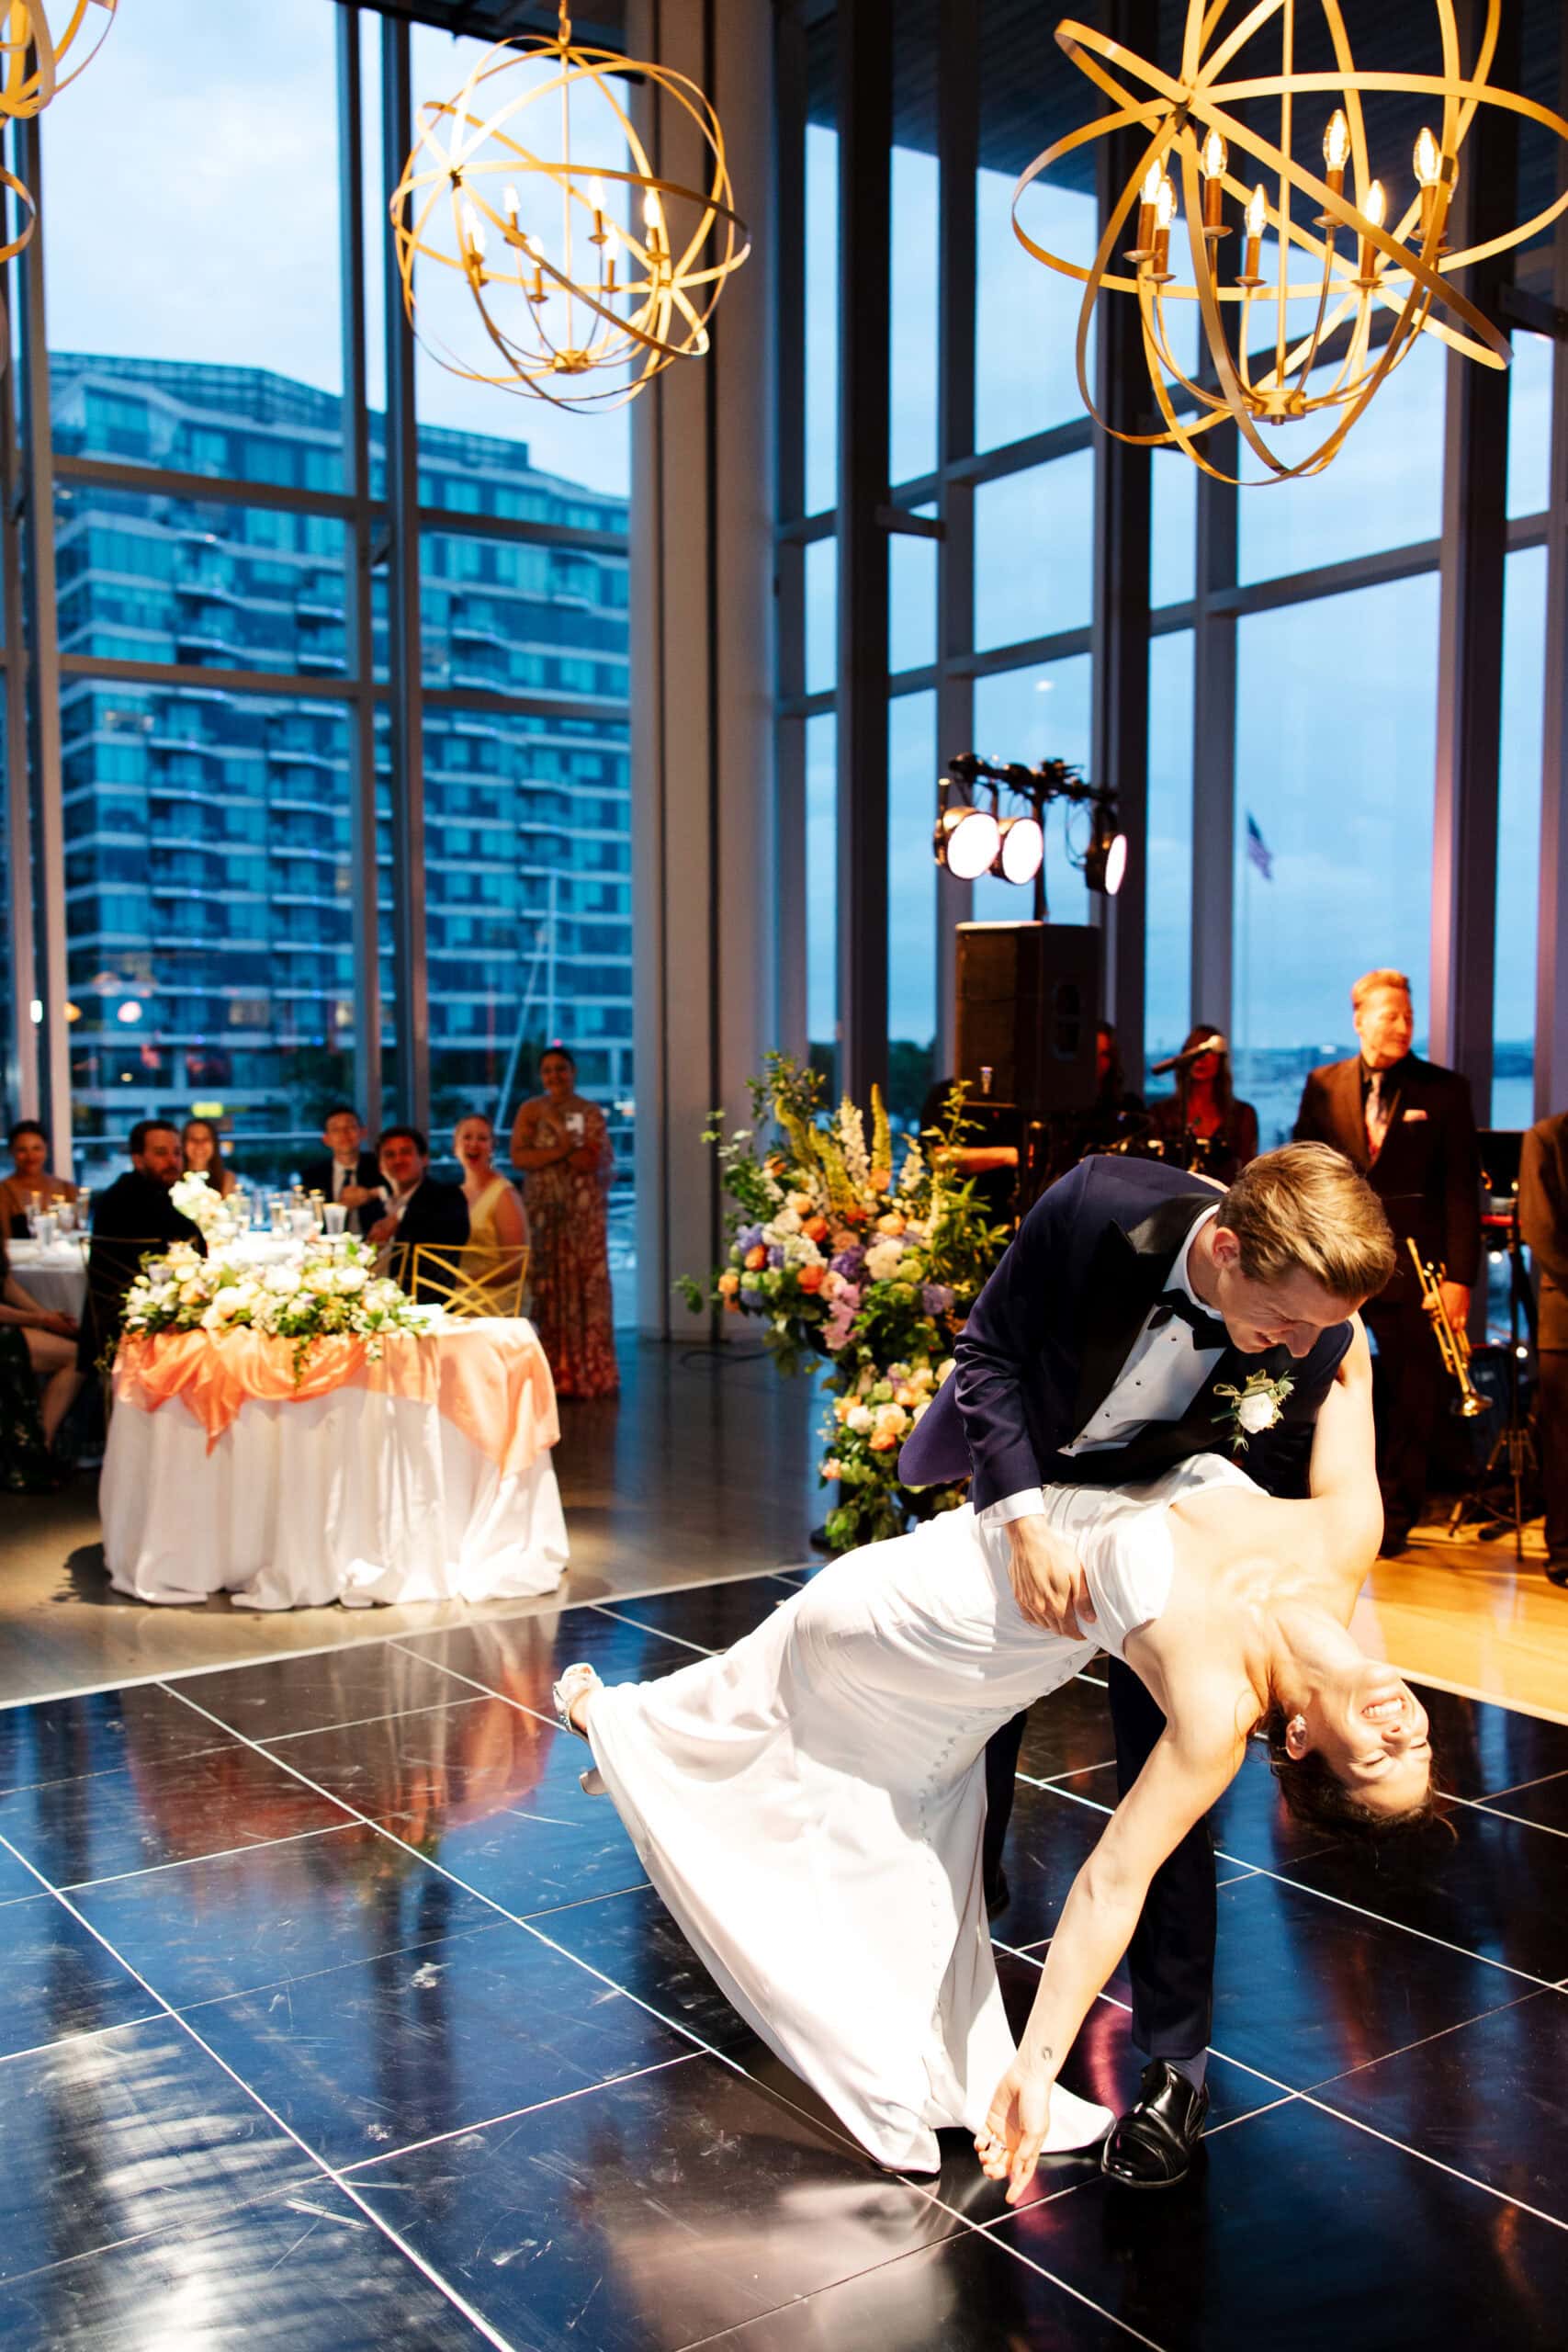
1312, 1793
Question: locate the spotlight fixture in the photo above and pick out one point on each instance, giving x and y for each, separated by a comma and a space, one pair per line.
970, 840
1105, 860
1022, 850
967, 842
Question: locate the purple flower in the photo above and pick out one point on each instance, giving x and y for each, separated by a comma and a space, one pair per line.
936, 1298
747, 1237
849, 1263
775, 1255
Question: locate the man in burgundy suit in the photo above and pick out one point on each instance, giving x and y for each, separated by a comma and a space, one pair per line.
1408, 1126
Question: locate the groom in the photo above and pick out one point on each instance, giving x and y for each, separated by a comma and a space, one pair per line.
1132, 1297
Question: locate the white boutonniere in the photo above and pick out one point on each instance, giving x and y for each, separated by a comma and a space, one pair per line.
1254, 1409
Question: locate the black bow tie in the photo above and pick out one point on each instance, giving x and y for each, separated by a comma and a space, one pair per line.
1207, 1330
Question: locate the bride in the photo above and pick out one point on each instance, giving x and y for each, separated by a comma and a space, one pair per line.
810, 1803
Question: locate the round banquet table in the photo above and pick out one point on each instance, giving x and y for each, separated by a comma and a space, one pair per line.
424, 1477
54, 1272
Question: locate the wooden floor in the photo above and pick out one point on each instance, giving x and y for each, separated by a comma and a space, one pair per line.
703, 1470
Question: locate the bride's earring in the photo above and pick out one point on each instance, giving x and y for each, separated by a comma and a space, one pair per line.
1297, 1724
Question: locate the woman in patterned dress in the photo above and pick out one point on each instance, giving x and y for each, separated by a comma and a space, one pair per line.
561, 1145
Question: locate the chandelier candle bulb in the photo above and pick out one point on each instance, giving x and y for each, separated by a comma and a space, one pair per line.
1373, 208
1336, 149
1148, 196
1165, 213
1256, 214
1429, 161
1215, 157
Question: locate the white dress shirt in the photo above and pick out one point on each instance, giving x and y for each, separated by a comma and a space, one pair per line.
1164, 1370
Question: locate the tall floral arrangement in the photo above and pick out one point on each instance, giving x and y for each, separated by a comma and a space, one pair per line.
860, 1254
217, 1220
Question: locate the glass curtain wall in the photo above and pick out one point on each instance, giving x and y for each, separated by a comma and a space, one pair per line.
227, 930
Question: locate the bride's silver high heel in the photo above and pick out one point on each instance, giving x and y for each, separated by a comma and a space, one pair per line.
563, 1697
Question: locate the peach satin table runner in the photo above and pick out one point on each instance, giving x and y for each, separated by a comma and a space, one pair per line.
488, 1378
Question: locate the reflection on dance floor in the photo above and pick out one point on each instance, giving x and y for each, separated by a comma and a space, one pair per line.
340, 2016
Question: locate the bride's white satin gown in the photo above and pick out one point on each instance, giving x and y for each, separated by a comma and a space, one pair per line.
810, 1803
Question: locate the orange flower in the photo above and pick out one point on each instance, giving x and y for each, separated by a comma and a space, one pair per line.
881, 1179
811, 1277
816, 1228
756, 1255
892, 1223
883, 1442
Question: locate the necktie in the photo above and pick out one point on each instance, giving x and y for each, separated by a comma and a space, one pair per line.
1207, 1330
1377, 1114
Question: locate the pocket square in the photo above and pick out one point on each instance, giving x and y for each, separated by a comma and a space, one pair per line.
1415, 1115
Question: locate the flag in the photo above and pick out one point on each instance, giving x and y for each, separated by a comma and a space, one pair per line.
1258, 849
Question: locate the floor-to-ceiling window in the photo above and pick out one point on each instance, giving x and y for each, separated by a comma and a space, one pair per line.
230, 894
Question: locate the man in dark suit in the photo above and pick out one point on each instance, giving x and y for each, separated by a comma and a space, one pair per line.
349, 1173
134, 1213
421, 1209
1131, 1295
1543, 1224
1408, 1125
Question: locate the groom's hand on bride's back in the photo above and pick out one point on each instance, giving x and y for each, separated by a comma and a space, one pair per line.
1047, 1578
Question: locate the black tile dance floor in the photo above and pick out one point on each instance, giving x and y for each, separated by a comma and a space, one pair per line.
338, 2017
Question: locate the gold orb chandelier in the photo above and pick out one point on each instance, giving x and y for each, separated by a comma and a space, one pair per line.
31, 57
578, 265
1339, 256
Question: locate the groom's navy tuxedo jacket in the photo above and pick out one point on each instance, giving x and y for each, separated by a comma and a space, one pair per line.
1051, 1331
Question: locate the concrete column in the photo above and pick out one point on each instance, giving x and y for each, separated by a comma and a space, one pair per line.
702, 627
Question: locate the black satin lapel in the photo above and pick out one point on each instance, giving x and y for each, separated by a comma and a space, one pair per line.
1129, 1273
1116, 1299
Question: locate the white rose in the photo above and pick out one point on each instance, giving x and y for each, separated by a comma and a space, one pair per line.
859, 1418
283, 1281
192, 1293
882, 1261
351, 1278
214, 1319
787, 1222
1257, 1412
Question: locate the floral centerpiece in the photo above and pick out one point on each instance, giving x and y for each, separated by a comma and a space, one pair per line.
216, 1219
324, 1294
859, 1254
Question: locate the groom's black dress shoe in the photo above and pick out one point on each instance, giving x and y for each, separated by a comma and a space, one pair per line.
1152, 2146
1557, 1569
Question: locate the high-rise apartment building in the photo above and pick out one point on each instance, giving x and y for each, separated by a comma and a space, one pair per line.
207, 831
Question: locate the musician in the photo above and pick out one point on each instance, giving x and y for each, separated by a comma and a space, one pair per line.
1409, 1126
1203, 1125
1543, 1225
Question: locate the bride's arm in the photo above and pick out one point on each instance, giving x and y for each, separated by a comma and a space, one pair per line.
1192, 1764
1343, 1479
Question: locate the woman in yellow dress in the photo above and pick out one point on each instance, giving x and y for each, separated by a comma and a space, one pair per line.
497, 1224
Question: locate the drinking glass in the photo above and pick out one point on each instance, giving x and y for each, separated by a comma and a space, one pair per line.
277, 1210
46, 1225
65, 1213
336, 1215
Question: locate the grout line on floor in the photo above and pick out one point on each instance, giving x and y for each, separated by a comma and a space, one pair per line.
165, 1674
1493, 1810
515, 2114
1468, 2178
602, 1609
1261, 1870
190, 1861
1422, 2042
443, 2287
1004, 2245
1517, 1787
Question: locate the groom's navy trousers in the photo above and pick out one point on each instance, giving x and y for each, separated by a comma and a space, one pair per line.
1040, 1352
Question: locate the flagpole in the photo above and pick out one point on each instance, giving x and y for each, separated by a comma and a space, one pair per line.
1243, 1027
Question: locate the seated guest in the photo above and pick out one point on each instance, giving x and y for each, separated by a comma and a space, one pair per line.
496, 1222
1203, 1125
349, 1172
203, 1155
422, 1209
29, 1175
134, 1216
41, 1344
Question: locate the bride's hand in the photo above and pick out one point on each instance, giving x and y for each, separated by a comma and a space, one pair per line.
1009, 2145
1047, 1578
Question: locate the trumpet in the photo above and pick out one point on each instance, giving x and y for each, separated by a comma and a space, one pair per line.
1453, 1346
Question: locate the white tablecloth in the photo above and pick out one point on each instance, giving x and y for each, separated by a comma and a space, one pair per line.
55, 1274
354, 1496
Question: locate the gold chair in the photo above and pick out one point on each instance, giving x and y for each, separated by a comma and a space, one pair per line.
468, 1281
